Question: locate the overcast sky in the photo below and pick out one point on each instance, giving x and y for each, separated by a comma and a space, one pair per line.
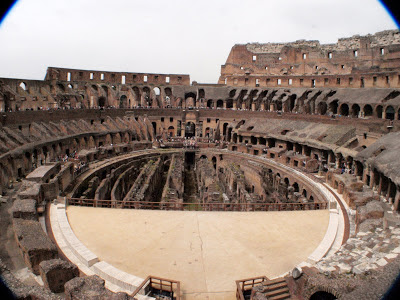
175, 36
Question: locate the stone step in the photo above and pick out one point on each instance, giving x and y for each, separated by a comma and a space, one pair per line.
276, 280
277, 285
277, 289
280, 297
276, 292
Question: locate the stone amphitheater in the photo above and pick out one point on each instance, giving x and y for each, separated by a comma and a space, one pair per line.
281, 181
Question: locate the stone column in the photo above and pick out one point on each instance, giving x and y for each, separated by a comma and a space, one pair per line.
388, 192
372, 179
234, 105
271, 107
253, 106
262, 108
396, 199
380, 184
338, 160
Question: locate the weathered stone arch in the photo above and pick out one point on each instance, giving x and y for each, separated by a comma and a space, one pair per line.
379, 111
344, 109
355, 110
368, 111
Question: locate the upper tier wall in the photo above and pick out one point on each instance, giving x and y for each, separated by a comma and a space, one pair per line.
359, 61
62, 74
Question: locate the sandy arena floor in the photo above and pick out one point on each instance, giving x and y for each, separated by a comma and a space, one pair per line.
206, 251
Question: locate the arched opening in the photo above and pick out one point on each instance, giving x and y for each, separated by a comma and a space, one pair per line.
359, 168
368, 110
220, 103
344, 109
23, 86
214, 162
157, 91
190, 129
355, 110
390, 113
224, 127
321, 295
296, 187
123, 101
202, 94
322, 108
278, 105
102, 101
148, 101
304, 193
333, 107
207, 132
168, 92
60, 86
292, 100
168, 96
171, 131
234, 138
190, 99
379, 111
210, 103
232, 93
229, 134
229, 103
136, 96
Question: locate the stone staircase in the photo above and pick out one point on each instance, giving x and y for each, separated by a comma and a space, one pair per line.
262, 288
276, 289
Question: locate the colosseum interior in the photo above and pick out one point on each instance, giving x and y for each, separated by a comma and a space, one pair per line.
281, 181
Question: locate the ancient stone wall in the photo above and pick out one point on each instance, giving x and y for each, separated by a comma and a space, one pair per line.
359, 61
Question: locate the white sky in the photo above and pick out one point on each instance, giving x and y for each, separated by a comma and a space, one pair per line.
175, 36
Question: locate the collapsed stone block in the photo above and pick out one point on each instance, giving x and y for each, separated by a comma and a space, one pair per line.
56, 272
33, 242
372, 210
25, 209
91, 288
20, 290
369, 225
31, 190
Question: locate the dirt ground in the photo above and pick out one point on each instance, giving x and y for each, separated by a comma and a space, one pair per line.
206, 251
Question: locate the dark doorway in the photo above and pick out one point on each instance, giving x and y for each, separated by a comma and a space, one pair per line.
102, 101
322, 296
190, 129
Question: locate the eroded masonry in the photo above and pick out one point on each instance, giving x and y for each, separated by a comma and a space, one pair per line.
295, 126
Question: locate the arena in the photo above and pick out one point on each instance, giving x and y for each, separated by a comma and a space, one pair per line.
281, 181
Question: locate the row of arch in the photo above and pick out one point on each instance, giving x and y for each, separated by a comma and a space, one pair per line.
310, 102
280, 176
17, 167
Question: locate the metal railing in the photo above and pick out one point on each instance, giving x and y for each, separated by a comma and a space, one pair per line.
160, 288
197, 206
245, 286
